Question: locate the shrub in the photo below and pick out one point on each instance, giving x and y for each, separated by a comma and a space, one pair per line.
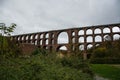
105, 60
106, 53
99, 53
9, 48
40, 51
41, 67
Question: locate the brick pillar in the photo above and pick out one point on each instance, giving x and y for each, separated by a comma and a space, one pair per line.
43, 40
111, 33
29, 38
20, 39
55, 41
38, 40
76, 40
69, 41
102, 35
93, 29
85, 45
24, 39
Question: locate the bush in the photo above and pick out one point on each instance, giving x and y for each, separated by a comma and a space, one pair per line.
9, 49
107, 57
44, 67
105, 61
108, 52
40, 51
99, 53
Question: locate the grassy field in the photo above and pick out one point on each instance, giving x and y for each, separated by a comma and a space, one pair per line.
111, 72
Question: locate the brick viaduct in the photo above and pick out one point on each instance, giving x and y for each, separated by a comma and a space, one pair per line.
78, 38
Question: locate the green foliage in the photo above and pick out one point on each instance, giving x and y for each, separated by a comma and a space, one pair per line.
7, 47
40, 51
7, 30
99, 52
4, 42
105, 60
44, 67
108, 52
36, 52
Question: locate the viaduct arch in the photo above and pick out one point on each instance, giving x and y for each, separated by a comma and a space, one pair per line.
83, 37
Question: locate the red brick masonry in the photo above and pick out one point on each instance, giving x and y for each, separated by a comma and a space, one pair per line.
27, 48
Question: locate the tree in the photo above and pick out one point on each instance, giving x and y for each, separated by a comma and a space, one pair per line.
5, 31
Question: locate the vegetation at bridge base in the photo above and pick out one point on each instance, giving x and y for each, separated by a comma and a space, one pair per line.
106, 53
46, 66
8, 48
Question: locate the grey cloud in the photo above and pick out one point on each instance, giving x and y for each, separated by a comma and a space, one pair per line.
43, 15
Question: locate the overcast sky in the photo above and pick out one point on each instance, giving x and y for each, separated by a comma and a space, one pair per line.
43, 15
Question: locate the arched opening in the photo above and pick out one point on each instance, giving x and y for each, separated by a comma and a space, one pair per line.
98, 39
35, 42
116, 36
89, 46
46, 42
81, 32
40, 42
107, 38
73, 33
73, 40
45, 47
81, 47
31, 37
52, 41
62, 48
81, 40
18, 38
52, 35
97, 31
22, 38
62, 51
26, 37
62, 38
47, 35
106, 30
89, 39
97, 45
116, 29
89, 31
41, 36
36, 36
